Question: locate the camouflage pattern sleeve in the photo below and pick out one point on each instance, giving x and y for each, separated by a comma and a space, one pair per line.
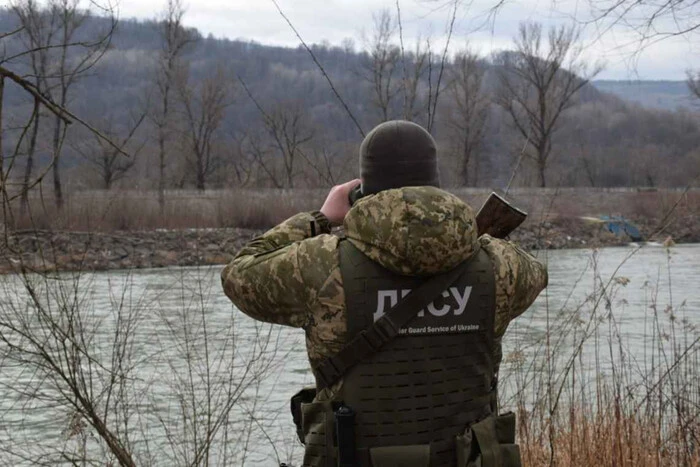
519, 279
294, 229
276, 278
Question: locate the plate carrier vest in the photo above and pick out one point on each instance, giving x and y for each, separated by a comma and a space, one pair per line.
419, 398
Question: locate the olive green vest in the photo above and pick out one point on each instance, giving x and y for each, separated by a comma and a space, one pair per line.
418, 400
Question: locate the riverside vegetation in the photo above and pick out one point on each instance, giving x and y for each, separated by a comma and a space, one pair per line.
587, 393
122, 230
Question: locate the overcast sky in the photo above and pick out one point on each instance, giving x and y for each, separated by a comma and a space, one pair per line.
336, 20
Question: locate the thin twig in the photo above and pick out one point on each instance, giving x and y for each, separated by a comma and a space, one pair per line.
252, 98
11, 33
450, 30
40, 48
517, 165
403, 62
323, 71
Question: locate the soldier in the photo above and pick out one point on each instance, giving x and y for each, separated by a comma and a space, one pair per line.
420, 395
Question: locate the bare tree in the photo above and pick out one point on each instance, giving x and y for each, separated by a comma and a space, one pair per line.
435, 87
693, 82
109, 163
415, 71
174, 38
469, 111
203, 110
589, 163
49, 47
68, 67
259, 150
385, 60
289, 131
329, 165
38, 30
240, 161
287, 134
381, 66
538, 82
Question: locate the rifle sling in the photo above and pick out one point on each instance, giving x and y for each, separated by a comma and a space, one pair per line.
369, 341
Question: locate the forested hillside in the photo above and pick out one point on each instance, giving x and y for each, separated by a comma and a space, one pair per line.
244, 114
664, 95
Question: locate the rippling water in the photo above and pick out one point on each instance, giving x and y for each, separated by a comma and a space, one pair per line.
173, 310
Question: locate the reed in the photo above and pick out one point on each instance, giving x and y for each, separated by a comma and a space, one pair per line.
585, 396
246, 208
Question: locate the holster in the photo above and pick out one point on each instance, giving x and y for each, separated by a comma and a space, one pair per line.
305, 396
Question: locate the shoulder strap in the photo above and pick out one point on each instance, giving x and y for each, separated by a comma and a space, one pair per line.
369, 341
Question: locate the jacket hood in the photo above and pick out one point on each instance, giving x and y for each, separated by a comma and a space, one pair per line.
414, 231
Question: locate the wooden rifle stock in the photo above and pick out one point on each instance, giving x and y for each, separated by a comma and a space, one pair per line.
498, 218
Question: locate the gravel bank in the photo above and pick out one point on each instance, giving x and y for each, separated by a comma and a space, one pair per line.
49, 251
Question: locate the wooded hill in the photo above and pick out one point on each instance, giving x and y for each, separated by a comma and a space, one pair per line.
275, 122
664, 95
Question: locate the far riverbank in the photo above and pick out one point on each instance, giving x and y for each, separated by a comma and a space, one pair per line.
46, 250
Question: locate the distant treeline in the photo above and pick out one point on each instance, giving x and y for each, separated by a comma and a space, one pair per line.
264, 116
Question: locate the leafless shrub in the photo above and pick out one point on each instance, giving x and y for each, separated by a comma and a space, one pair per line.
128, 377
585, 396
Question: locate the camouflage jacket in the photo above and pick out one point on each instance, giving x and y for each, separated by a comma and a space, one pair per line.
291, 275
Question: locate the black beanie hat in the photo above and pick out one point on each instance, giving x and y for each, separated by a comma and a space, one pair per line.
395, 154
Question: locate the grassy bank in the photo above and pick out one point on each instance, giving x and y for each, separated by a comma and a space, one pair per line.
260, 209
126, 229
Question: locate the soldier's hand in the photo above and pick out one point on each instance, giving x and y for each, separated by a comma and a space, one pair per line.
337, 203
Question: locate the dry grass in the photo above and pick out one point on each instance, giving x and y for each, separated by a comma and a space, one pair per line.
138, 210
133, 210
585, 439
585, 397
575, 202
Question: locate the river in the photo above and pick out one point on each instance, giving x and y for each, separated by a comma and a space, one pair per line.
180, 319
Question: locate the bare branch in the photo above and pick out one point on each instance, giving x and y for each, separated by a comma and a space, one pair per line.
443, 60
320, 67
57, 110
403, 61
11, 33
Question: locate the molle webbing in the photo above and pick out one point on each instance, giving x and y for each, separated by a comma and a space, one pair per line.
428, 384
385, 329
